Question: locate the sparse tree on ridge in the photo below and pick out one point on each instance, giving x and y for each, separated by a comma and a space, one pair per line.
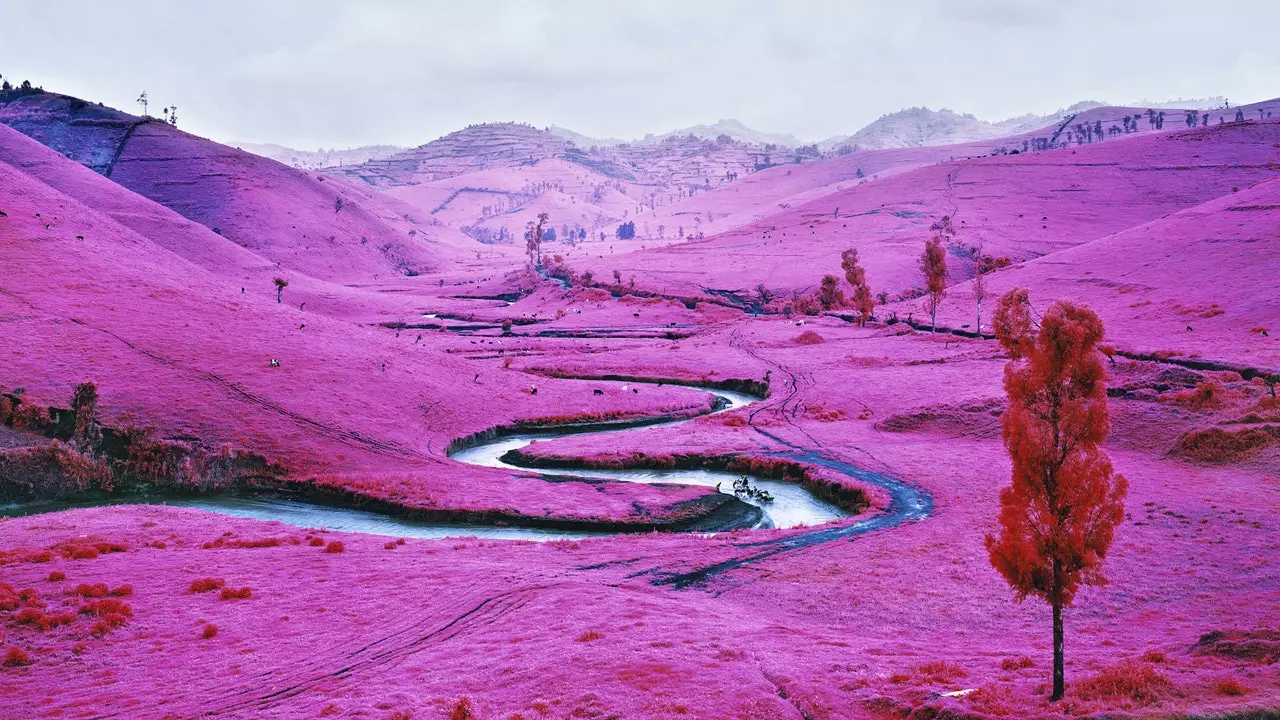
933, 263
1059, 514
142, 100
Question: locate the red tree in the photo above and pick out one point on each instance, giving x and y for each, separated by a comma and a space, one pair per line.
857, 279
933, 263
829, 293
1058, 516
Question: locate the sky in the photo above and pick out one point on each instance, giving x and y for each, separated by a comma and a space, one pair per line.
338, 74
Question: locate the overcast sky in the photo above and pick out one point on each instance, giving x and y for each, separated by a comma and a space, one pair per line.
333, 73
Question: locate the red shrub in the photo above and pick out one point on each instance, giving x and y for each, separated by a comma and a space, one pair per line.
8, 598
590, 635
808, 337
28, 616
1218, 446
122, 591
223, 542
1129, 680
107, 624
29, 597
1020, 663
53, 620
83, 552
207, 584
463, 710
43, 556
16, 657
389, 546
210, 630
57, 576
1230, 686
315, 542
107, 606
335, 546
234, 594
96, 590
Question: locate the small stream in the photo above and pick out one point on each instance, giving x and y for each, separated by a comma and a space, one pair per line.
792, 505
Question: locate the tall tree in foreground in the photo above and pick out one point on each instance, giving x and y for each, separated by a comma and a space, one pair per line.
981, 266
1058, 516
857, 279
933, 263
533, 240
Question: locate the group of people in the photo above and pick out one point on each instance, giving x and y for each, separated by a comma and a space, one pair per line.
742, 486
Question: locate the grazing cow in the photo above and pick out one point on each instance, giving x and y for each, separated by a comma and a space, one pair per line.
533, 389
598, 391
275, 363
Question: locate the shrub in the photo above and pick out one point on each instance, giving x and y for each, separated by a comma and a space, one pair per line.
207, 584
1019, 663
590, 635
107, 606
234, 594
29, 597
210, 630
16, 657
315, 542
940, 671
28, 616
1208, 394
1229, 686
8, 598
335, 546
83, 552
1127, 680
57, 576
463, 709
1215, 445
809, 337
96, 590
1154, 656
53, 620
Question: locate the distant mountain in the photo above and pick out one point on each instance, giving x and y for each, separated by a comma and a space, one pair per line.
583, 141
734, 129
1208, 103
922, 127
315, 159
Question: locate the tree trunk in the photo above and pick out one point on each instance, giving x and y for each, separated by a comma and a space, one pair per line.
933, 316
1059, 673
278, 291
979, 318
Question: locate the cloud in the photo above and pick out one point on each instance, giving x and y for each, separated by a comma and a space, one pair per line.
334, 73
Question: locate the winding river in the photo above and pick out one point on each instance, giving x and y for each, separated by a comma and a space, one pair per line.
792, 505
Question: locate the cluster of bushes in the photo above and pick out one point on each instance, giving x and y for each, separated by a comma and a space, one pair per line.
86, 456
1131, 680
1219, 446
96, 601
